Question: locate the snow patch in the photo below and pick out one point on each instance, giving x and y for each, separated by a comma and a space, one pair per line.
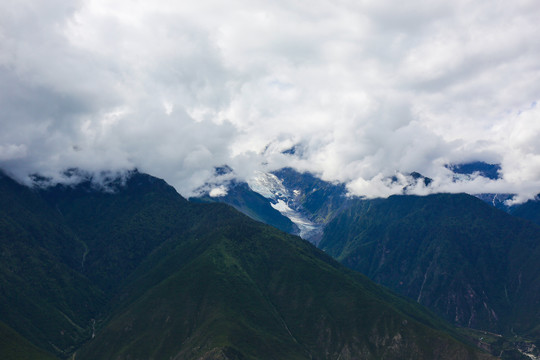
272, 188
268, 185
306, 227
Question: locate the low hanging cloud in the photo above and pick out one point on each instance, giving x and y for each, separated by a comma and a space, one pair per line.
364, 90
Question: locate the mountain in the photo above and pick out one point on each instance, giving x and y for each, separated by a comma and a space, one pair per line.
65, 251
284, 197
469, 262
42, 295
490, 171
499, 201
234, 288
241, 197
309, 203
319, 199
15, 347
135, 271
529, 210
320, 202
119, 224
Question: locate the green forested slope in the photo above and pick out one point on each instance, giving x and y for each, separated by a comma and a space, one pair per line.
136, 271
15, 347
237, 288
529, 210
469, 262
41, 296
120, 226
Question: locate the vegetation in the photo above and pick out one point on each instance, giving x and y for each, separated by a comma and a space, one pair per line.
469, 262
230, 285
529, 210
14, 347
139, 272
42, 297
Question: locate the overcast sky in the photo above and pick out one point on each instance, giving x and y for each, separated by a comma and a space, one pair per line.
366, 90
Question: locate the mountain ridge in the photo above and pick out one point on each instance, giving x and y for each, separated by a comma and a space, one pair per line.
451, 234
140, 235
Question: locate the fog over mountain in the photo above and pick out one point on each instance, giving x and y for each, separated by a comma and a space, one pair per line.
363, 91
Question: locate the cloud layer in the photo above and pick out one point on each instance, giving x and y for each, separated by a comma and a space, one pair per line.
365, 90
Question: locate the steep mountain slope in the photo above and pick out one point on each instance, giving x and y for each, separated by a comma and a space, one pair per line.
42, 297
319, 199
119, 224
529, 210
65, 251
284, 198
469, 262
14, 347
152, 275
232, 288
253, 204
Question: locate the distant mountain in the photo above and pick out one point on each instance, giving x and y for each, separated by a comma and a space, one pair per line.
138, 272
490, 171
529, 210
499, 201
298, 203
319, 199
310, 203
244, 199
469, 262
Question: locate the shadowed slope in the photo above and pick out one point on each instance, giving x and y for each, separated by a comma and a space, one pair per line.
234, 288
14, 347
42, 297
165, 278
471, 263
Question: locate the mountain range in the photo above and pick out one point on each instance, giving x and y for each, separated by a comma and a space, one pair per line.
460, 255
469, 262
129, 269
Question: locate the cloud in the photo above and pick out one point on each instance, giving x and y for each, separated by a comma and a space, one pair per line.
365, 89
218, 191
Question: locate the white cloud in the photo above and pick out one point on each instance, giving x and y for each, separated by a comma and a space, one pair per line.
12, 151
218, 191
366, 89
